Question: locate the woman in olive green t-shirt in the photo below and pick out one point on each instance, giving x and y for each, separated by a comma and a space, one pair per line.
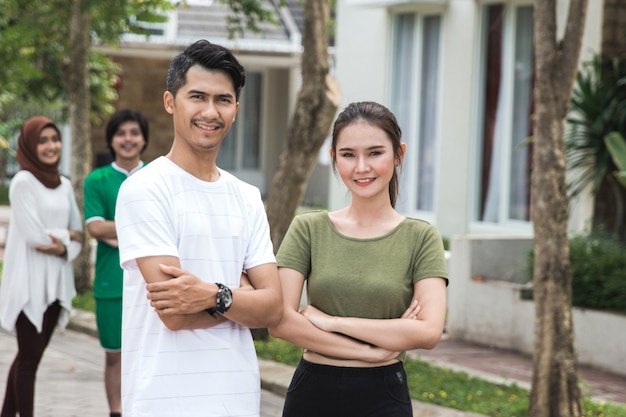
376, 281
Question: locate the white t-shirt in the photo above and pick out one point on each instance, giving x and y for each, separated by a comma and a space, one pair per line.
216, 229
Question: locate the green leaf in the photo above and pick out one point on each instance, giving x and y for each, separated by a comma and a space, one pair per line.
621, 177
617, 148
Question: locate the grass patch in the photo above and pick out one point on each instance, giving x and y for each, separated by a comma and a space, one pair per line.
4, 194
440, 386
85, 301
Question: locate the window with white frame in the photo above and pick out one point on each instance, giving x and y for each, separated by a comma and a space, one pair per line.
505, 118
415, 102
240, 149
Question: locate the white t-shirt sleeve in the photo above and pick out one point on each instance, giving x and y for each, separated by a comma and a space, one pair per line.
144, 226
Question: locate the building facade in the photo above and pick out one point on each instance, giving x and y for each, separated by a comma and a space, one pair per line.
272, 61
458, 74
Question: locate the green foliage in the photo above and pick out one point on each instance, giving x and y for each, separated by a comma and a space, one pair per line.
616, 145
452, 389
4, 195
112, 18
598, 108
278, 350
8, 136
85, 301
248, 15
103, 74
34, 39
598, 264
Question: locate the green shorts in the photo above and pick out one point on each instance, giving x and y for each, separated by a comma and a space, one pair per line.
109, 321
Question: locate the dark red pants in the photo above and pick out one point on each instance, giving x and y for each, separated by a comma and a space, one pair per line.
20, 393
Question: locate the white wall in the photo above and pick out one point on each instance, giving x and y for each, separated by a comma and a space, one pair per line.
458, 80
493, 313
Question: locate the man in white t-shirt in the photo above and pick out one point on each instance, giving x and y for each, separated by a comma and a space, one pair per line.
199, 268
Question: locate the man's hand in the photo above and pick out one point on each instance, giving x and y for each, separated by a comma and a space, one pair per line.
183, 294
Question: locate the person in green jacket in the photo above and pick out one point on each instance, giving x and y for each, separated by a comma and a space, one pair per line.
127, 137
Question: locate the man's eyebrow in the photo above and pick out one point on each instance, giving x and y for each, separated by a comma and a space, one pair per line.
204, 93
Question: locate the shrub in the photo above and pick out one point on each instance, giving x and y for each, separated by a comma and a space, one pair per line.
598, 273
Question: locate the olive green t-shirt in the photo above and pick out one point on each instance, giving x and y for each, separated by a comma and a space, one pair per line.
369, 278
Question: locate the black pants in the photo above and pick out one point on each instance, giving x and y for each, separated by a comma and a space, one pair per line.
20, 392
331, 391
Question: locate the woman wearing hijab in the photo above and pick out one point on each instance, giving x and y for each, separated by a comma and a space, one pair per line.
45, 235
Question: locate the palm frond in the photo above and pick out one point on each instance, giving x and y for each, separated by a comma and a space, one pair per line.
598, 107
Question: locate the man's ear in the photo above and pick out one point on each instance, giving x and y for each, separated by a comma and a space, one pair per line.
168, 102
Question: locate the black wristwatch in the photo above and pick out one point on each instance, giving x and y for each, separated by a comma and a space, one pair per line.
223, 299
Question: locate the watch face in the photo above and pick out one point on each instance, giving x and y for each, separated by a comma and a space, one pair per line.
227, 298
224, 299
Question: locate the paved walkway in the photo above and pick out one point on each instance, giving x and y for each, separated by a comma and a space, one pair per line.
70, 379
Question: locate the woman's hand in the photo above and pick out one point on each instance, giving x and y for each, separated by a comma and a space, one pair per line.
77, 236
326, 322
379, 354
319, 319
56, 248
412, 311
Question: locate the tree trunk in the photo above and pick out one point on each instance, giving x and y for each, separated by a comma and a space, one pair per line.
610, 199
614, 28
555, 391
315, 110
77, 76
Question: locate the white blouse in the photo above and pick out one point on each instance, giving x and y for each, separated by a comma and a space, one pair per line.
32, 280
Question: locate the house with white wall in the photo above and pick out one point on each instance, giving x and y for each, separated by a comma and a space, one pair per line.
272, 61
458, 74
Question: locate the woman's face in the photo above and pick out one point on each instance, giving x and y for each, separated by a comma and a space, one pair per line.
49, 146
365, 160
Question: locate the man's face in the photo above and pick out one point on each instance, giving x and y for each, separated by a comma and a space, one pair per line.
128, 141
204, 108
